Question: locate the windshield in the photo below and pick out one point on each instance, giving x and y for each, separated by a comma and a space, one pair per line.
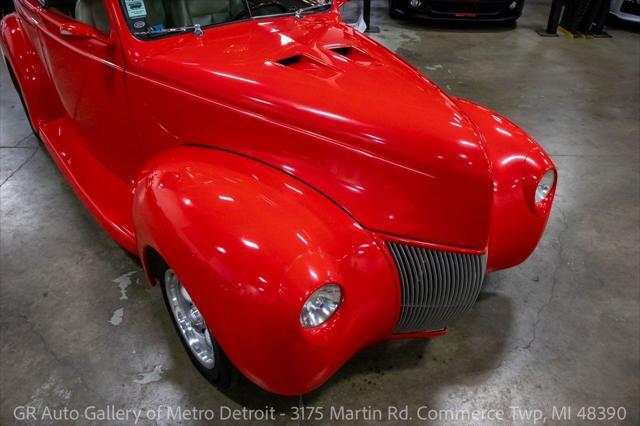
152, 18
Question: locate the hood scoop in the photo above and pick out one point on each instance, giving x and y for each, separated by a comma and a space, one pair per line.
311, 65
323, 69
352, 53
291, 60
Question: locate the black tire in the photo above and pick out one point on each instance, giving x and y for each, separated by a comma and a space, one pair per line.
223, 374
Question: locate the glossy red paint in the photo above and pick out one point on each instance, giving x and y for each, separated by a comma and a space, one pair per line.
383, 161
517, 164
252, 244
23, 54
269, 157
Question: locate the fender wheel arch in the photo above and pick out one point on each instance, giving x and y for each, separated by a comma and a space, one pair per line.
16, 85
224, 374
12, 74
154, 265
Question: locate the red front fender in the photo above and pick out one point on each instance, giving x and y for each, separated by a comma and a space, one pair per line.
517, 163
251, 243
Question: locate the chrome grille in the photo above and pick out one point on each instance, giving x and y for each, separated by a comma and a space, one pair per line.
437, 286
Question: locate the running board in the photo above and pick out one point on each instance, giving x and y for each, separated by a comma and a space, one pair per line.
108, 198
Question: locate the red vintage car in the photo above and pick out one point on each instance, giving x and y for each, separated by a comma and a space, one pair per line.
298, 191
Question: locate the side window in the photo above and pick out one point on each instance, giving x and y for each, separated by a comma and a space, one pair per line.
89, 12
93, 13
63, 7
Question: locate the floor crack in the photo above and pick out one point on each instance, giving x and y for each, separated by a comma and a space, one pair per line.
555, 280
19, 167
59, 361
17, 144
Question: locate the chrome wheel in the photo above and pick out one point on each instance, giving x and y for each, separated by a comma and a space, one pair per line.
190, 322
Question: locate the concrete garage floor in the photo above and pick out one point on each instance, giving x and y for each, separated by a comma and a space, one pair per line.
80, 327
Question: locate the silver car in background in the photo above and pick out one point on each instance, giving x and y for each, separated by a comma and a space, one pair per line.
627, 10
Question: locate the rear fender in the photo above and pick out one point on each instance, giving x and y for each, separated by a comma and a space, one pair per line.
517, 164
251, 243
31, 76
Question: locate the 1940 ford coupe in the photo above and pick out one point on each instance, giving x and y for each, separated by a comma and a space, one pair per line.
296, 190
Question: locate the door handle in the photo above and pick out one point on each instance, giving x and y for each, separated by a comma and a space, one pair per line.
79, 32
31, 19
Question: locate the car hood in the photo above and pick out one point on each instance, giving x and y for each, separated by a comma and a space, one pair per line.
346, 116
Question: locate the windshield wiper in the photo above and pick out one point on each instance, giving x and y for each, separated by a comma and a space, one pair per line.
300, 12
197, 30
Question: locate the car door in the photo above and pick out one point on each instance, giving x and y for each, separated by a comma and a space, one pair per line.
87, 69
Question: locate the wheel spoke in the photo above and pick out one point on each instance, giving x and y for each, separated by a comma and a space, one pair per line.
185, 295
208, 339
191, 324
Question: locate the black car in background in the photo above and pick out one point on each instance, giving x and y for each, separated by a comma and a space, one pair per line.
458, 10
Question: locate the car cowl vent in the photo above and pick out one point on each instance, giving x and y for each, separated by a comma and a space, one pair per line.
437, 287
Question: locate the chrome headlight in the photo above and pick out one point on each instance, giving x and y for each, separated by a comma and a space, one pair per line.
321, 305
545, 185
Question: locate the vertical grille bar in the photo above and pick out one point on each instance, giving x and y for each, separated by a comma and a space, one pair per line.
437, 287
